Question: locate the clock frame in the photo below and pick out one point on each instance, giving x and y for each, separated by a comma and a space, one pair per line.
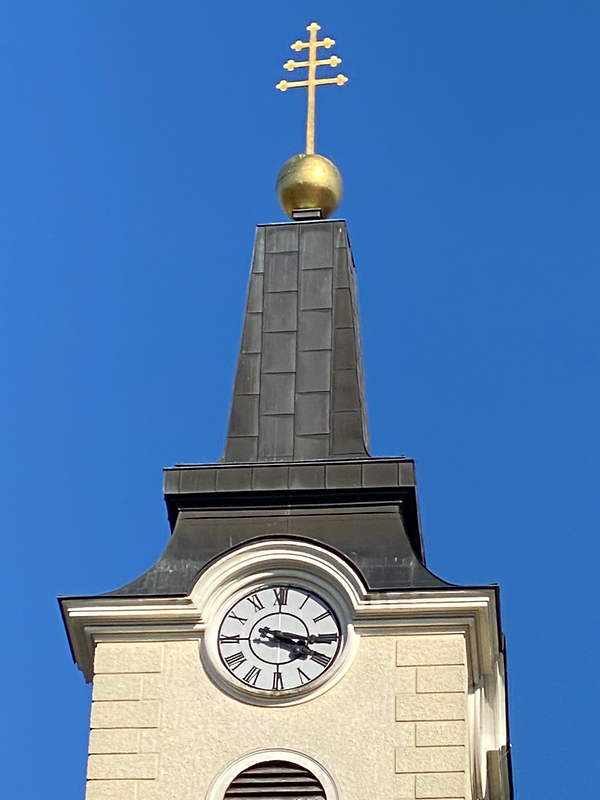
267, 565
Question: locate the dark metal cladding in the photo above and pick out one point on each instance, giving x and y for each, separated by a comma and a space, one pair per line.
365, 510
296, 461
298, 393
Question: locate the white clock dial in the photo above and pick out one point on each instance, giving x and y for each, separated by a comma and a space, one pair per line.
279, 638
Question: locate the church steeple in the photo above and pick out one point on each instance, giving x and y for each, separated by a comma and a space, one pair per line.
290, 637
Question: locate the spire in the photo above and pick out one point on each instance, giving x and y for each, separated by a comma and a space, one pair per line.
298, 393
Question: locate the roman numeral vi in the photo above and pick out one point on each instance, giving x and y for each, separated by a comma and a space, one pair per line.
277, 681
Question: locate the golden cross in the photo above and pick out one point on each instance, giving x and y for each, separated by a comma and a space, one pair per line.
312, 81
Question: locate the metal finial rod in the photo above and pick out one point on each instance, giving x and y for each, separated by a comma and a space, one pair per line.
312, 89
312, 82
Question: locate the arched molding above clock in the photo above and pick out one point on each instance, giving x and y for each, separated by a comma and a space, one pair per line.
272, 560
219, 787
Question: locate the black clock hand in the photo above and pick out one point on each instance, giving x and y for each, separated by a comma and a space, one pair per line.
322, 638
314, 638
283, 635
274, 634
298, 648
301, 639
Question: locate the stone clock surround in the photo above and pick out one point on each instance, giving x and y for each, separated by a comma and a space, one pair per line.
418, 703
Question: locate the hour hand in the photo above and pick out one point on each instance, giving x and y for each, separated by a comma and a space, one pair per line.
297, 648
282, 635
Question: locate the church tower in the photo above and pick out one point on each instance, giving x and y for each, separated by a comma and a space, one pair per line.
290, 643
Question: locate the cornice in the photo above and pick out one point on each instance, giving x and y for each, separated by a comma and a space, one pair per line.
90, 620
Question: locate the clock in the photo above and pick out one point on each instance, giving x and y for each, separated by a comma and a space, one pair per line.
279, 638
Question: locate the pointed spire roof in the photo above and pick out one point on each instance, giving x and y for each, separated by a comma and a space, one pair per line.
299, 393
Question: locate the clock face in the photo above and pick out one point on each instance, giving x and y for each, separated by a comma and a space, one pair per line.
278, 638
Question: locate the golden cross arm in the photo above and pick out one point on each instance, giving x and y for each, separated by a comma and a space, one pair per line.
326, 43
312, 29
312, 81
332, 61
285, 85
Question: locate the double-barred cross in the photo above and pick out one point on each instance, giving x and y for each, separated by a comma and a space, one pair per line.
312, 81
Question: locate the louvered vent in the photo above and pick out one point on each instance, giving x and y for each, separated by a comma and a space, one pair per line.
275, 780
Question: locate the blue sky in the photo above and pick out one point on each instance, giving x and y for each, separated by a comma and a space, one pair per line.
139, 146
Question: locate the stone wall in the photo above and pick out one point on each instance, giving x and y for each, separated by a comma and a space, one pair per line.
393, 728
125, 725
431, 709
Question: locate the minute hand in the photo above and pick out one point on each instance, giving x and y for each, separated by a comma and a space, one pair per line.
322, 638
298, 648
314, 638
288, 635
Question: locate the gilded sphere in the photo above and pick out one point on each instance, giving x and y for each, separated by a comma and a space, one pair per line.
309, 181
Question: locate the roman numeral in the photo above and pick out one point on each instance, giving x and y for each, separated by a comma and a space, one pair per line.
327, 638
302, 676
239, 619
306, 599
256, 603
321, 659
322, 616
230, 639
281, 595
252, 675
277, 681
234, 661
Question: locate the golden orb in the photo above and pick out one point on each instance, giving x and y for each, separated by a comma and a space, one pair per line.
309, 181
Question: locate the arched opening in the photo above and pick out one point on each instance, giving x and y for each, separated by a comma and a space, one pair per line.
275, 780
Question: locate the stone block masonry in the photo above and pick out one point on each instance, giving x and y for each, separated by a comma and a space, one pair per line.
123, 721
161, 729
431, 758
